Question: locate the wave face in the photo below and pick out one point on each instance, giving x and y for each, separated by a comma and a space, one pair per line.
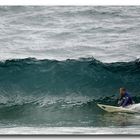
55, 92
85, 76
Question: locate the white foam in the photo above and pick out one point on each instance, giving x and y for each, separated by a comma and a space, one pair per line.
135, 107
69, 130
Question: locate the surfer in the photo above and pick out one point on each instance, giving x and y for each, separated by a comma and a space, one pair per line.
125, 98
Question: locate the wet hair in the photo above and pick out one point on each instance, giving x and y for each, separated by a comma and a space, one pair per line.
123, 89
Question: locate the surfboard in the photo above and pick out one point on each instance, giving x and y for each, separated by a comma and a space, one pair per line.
112, 109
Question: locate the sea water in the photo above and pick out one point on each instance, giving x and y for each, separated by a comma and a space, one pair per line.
57, 63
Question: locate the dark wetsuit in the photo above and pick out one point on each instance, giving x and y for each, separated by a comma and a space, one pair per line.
125, 100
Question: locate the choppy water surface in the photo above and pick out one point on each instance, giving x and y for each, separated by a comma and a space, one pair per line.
109, 34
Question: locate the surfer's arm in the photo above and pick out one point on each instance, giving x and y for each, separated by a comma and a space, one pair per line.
125, 103
120, 102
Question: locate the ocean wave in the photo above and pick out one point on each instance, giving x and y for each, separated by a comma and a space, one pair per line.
84, 76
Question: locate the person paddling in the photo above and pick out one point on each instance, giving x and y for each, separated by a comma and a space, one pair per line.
125, 99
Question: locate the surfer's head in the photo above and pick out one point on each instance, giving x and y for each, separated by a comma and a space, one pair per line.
122, 91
